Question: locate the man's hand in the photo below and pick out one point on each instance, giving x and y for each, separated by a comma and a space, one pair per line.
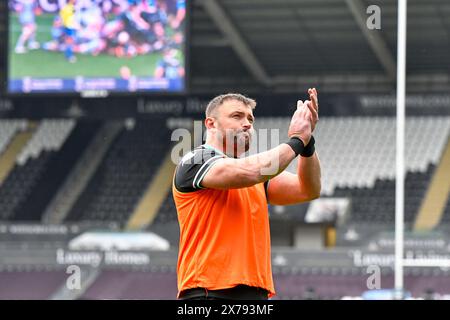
300, 126
288, 188
308, 109
313, 106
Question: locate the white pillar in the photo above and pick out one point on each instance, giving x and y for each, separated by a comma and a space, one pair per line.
400, 150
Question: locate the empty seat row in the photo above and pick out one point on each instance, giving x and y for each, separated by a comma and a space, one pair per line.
8, 129
355, 151
49, 136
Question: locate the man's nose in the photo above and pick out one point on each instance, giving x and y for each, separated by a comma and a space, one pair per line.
247, 124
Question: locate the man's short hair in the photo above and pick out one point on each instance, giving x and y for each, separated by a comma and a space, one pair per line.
219, 100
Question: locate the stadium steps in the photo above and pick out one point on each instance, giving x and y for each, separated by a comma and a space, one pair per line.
433, 205
153, 197
9, 156
80, 175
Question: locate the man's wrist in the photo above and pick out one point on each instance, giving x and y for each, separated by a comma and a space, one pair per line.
296, 144
309, 149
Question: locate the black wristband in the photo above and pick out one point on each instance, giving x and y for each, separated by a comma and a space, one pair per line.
309, 150
297, 145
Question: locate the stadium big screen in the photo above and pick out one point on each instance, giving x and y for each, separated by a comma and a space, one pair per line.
88, 45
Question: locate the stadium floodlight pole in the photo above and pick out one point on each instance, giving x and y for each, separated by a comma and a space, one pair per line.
400, 149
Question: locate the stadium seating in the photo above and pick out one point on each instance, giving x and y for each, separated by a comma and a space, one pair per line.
49, 136
19, 184
367, 175
30, 168
377, 204
167, 212
7, 130
358, 160
114, 190
356, 151
58, 167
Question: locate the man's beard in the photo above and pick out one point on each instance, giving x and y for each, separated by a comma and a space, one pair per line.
237, 143
243, 138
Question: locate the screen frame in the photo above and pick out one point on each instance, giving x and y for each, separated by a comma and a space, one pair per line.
80, 94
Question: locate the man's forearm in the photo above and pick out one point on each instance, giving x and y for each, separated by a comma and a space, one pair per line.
268, 164
231, 173
309, 175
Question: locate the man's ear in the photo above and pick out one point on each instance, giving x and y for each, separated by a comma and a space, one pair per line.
210, 123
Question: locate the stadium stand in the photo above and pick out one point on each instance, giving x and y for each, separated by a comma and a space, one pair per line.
8, 128
13, 136
377, 203
49, 136
59, 165
88, 162
30, 169
371, 142
358, 161
116, 187
19, 184
360, 175
167, 212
